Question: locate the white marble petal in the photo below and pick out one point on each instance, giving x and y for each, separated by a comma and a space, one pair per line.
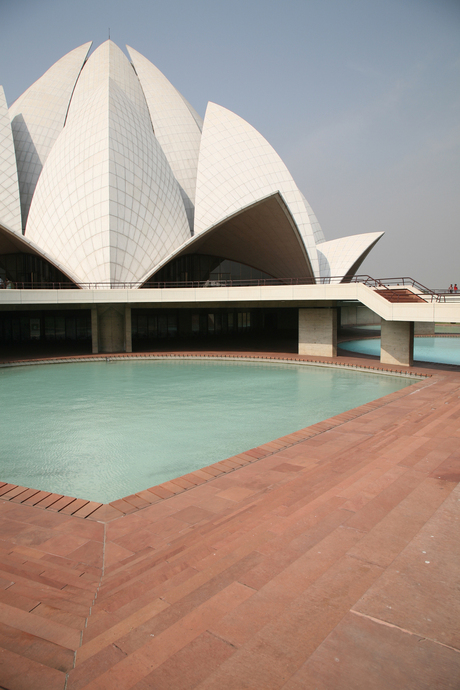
176, 124
112, 172
38, 116
342, 257
198, 119
107, 59
238, 167
10, 205
107, 205
317, 230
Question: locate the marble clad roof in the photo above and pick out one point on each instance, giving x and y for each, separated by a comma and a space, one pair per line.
109, 172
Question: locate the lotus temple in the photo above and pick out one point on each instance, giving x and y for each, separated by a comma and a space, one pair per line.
126, 220
140, 240
125, 217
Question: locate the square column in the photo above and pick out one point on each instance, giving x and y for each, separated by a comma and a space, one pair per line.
110, 328
318, 332
424, 328
128, 333
397, 343
94, 332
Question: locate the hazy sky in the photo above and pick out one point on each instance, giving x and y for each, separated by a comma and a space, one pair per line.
361, 99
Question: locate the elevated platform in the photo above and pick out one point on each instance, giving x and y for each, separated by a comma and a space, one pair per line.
111, 309
257, 295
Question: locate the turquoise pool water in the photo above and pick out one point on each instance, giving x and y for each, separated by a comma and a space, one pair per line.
104, 430
440, 350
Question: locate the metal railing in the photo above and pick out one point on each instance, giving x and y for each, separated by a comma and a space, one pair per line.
23, 285
160, 285
403, 283
225, 282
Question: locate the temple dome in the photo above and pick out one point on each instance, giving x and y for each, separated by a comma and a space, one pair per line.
108, 173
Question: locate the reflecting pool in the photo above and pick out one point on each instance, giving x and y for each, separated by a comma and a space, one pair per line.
439, 350
103, 430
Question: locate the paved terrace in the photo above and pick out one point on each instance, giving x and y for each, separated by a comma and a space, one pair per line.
327, 559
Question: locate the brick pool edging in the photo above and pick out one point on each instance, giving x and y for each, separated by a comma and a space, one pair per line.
106, 512
295, 359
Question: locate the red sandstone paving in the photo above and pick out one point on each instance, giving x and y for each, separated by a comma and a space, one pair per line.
188, 667
17, 672
329, 563
360, 649
36, 497
95, 666
87, 509
405, 595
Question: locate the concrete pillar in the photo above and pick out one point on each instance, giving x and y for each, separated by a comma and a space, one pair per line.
111, 328
94, 331
424, 327
397, 343
128, 336
318, 332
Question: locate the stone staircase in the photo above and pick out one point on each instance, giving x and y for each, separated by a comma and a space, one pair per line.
399, 295
49, 574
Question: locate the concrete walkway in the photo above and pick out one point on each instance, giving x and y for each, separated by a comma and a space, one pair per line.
330, 562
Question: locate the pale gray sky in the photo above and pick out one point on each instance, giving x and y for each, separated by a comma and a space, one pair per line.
361, 99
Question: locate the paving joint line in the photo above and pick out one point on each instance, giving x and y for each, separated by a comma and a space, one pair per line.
380, 621
222, 639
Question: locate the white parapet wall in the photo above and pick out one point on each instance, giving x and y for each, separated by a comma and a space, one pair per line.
318, 332
260, 295
397, 343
